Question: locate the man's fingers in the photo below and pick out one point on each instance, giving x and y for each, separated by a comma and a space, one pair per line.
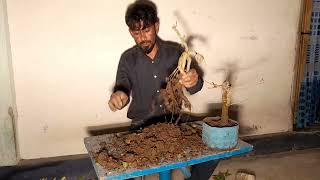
115, 102
192, 74
112, 106
124, 98
190, 79
189, 84
186, 79
118, 102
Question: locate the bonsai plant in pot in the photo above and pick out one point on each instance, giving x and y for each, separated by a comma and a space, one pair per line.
221, 132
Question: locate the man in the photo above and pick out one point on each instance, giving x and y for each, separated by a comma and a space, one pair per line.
143, 69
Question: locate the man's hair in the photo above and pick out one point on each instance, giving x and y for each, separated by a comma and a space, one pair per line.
141, 11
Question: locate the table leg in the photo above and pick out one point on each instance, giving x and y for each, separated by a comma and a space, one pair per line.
186, 172
165, 175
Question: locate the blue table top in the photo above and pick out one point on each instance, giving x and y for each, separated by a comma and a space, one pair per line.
92, 145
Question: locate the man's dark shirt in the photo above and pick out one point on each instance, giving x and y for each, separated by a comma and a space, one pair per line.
143, 78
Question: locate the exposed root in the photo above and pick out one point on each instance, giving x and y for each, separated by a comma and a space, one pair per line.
173, 97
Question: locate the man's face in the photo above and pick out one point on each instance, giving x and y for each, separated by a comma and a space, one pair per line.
145, 37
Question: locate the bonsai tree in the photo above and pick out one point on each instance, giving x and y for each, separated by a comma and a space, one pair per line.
226, 102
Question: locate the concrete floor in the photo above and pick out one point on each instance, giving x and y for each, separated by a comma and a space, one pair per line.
294, 165
289, 165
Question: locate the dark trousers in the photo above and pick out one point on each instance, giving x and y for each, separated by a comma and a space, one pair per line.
203, 171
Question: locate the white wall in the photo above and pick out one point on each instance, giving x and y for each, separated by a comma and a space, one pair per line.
65, 55
8, 155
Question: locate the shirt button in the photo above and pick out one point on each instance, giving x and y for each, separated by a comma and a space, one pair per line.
155, 76
158, 91
152, 62
161, 105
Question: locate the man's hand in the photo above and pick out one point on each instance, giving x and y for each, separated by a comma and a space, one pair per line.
190, 79
118, 100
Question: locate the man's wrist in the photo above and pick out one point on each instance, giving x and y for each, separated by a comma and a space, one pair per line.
122, 89
197, 87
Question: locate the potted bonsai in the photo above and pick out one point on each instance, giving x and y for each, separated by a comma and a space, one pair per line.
221, 132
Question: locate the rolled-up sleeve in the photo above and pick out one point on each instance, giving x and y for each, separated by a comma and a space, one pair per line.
198, 86
194, 89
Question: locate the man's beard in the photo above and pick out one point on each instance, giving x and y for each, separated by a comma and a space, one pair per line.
147, 49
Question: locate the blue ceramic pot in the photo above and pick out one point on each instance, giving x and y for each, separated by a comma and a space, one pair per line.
220, 137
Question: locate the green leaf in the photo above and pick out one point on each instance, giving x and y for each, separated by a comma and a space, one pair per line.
125, 164
221, 175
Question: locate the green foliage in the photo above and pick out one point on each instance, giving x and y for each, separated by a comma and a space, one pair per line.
125, 164
221, 175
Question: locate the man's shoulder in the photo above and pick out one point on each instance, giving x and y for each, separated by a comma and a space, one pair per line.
130, 56
172, 46
130, 52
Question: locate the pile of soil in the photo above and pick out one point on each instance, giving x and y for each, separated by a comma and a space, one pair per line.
154, 145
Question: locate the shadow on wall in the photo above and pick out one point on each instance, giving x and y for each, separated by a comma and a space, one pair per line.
214, 110
231, 72
190, 36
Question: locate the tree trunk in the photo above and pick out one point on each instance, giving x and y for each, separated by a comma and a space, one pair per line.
226, 101
225, 107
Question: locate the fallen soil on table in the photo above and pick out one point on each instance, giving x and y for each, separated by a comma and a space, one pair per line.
154, 145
